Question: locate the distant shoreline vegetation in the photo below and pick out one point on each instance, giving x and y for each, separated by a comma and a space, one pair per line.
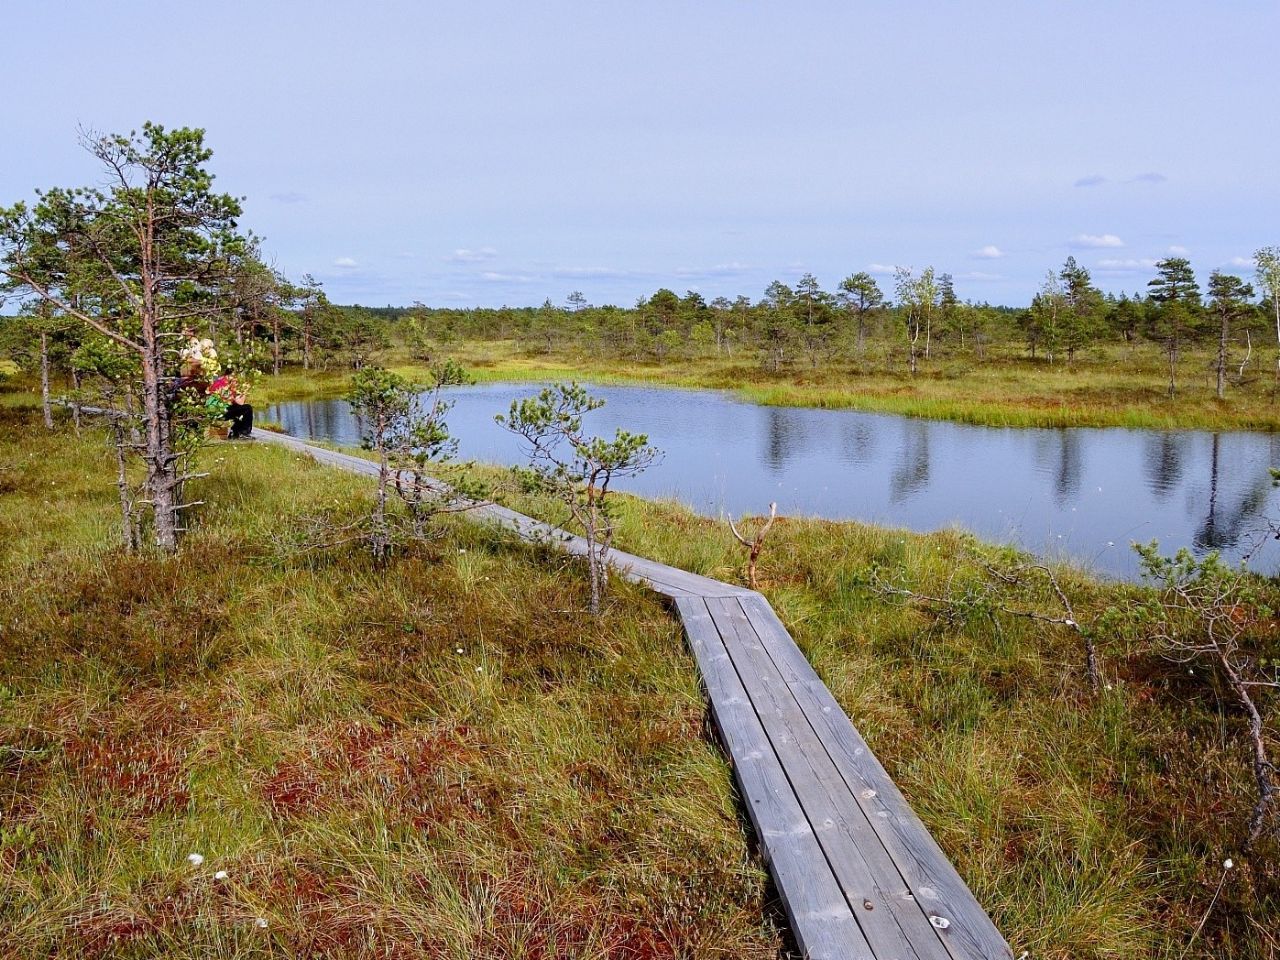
1172, 358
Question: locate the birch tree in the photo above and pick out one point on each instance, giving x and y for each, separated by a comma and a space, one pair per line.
1267, 261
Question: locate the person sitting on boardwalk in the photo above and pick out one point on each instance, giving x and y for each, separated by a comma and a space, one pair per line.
225, 396
227, 392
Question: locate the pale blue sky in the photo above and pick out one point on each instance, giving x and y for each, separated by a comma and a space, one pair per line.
500, 152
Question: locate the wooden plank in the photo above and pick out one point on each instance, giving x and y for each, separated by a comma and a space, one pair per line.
970, 934
821, 920
891, 919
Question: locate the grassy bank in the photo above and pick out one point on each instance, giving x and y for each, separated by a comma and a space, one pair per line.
443, 758
308, 725
1113, 386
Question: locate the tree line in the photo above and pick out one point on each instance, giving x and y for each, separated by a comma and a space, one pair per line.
917, 319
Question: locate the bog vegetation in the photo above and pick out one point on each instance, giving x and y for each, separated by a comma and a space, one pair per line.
411, 740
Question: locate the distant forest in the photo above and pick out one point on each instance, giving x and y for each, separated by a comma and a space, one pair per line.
916, 318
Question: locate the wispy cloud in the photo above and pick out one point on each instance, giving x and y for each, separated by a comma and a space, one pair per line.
1130, 265
467, 255
592, 273
989, 252
1242, 262
288, 196
733, 269
882, 269
490, 276
1096, 240
980, 276
345, 263
1150, 177
1179, 251
1092, 180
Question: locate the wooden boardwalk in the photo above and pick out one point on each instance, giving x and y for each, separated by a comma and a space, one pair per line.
858, 874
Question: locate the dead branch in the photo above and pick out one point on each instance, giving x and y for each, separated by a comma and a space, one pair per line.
755, 544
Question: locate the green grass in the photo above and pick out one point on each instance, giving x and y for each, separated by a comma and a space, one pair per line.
444, 757
1112, 386
307, 725
1088, 827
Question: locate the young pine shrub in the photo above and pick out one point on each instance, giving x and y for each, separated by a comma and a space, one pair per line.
577, 469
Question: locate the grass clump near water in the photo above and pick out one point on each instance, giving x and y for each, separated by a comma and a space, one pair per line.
1110, 385
442, 757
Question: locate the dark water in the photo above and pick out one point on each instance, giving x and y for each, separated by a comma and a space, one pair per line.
1083, 494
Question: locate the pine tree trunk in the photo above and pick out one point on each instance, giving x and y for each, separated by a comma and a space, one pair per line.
162, 461
128, 531
1222, 357
45, 403
275, 346
75, 399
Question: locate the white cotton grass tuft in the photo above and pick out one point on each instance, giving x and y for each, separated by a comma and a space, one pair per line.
220, 875
195, 859
1228, 863
261, 923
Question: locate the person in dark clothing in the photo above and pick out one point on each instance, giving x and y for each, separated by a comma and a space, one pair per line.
241, 417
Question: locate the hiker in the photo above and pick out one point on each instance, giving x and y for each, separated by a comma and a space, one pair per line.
238, 411
224, 395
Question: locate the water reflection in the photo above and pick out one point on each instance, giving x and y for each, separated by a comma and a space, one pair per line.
1227, 524
1164, 453
1080, 493
911, 468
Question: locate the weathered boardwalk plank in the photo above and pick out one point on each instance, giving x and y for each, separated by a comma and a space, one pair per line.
859, 875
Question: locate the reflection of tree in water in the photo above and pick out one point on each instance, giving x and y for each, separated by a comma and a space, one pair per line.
858, 441
1066, 479
1163, 461
1224, 525
785, 436
911, 472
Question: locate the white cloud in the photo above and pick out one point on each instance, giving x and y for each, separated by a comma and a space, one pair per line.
1179, 251
882, 269
980, 276
466, 255
493, 277
345, 263
1126, 265
1096, 240
989, 252
1246, 262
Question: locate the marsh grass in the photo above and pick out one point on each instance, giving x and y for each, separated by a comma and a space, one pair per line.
1112, 385
307, 724
371, 792
1088, 826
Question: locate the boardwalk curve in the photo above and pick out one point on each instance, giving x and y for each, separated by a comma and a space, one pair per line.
858, 874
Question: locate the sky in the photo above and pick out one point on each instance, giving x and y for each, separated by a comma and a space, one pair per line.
488, 153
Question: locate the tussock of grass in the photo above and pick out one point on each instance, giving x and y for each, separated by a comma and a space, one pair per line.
307, 724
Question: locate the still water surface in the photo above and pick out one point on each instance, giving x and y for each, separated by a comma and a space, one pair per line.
1082, 494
